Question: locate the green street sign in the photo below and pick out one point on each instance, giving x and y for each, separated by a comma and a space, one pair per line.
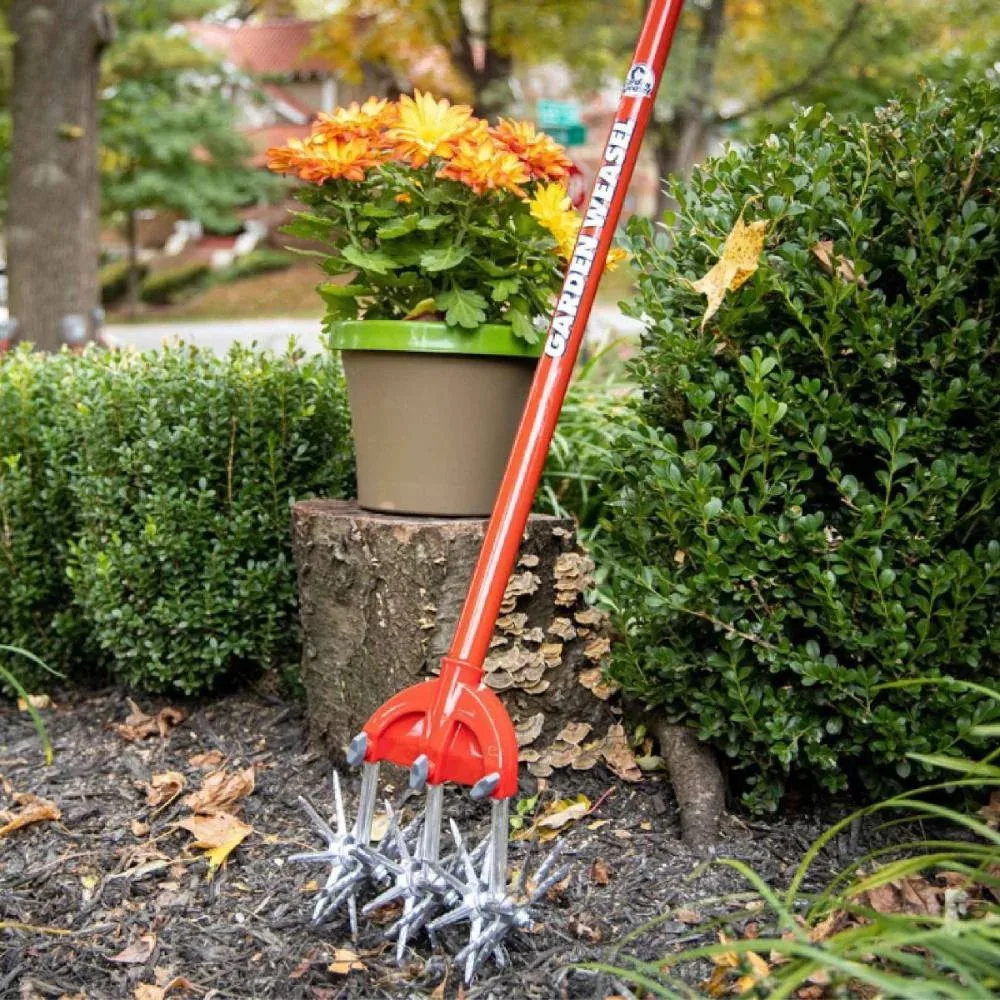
570, 135
558, 114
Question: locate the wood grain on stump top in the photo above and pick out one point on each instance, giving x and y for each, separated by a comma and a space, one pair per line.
380, 595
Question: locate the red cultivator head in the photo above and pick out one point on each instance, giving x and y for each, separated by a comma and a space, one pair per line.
452, 728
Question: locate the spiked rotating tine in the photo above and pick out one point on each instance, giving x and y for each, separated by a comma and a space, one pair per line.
348, 872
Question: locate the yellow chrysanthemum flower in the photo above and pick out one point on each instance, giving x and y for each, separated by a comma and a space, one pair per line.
545, 159
427, 128
483, 166
551, 207
356, 121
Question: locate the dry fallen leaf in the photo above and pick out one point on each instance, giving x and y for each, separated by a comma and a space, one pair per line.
164, 788
619, 756
692, 917
138, 951
221, 791
563, 812
138, 725
740, 258
913, 895
40, 701
584, 931
759, 970
139, 829
208, 761
33, 809
599, 872
991, 811
177, 984
344, 962
218, 835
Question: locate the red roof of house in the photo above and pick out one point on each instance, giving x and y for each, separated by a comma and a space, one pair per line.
277, 48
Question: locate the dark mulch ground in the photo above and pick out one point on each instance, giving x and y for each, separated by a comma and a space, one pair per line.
245, 933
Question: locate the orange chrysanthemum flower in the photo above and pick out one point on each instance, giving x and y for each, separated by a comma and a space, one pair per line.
357, 121
426, 128
349, 159
484, 166
545, 159
288, 159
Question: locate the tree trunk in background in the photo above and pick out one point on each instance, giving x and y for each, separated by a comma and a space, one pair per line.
683, 141
132, 282
53, 218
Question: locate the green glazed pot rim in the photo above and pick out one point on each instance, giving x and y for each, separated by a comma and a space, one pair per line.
425, 337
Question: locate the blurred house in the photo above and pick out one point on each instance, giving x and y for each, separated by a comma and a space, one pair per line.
290, 84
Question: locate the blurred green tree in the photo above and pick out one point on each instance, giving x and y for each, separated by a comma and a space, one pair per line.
168, 127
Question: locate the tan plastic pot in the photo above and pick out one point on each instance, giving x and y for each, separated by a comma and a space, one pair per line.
434, 412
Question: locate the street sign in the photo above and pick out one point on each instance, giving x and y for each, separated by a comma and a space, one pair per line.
569, 135
558, 114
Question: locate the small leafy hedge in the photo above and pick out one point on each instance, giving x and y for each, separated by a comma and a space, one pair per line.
144, 522
809, 529
162, 288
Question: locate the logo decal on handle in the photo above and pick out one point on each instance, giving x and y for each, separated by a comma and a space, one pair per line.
640, 81
605, 187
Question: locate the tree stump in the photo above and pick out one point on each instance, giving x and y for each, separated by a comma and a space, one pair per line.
379, 597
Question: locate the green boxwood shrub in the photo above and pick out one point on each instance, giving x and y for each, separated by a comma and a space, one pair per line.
808, 538
165, 287
37, 516
262, 261
182, 564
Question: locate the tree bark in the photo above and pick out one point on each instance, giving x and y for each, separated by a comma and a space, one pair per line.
53, 218
683, 141
379, 596
132, 281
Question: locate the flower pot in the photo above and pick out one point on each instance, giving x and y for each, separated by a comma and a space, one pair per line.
434, 411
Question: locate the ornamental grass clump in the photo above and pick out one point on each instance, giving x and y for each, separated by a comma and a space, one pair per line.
809, 530
435, 213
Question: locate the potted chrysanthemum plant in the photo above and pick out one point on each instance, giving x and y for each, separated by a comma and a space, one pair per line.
445, 239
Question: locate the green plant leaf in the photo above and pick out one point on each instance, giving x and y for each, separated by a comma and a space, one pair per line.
443, 258
393, 230
462, 308
377, 261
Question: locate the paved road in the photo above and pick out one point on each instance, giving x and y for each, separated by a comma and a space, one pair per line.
606, 323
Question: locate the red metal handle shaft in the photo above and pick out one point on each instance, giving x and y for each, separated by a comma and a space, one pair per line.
569, 321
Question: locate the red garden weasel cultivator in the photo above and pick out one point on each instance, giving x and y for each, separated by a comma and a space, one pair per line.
454, 728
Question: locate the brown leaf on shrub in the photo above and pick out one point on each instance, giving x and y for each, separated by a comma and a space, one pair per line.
619, 756
843, 267
221, 791
138, 725
164, 788
739, 260
218, 835
138, 951
32, 809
